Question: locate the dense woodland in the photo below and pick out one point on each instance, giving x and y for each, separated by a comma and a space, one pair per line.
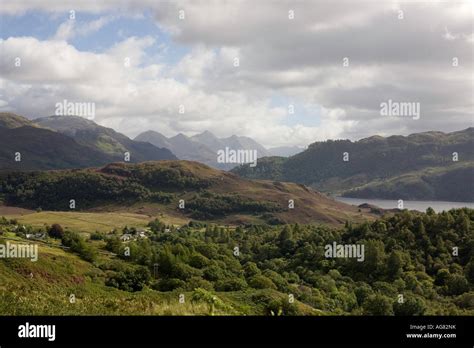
118, 184
428, 258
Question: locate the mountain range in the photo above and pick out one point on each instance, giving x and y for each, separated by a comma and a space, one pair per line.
424, 166
204, 147
57, 142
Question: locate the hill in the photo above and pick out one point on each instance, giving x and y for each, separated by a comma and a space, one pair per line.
60, 142
105, 140
454, 183
43, 149
373, 161
206, 193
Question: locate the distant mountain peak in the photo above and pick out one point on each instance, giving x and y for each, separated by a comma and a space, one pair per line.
203, 147
207, 134
180, 136
151, 132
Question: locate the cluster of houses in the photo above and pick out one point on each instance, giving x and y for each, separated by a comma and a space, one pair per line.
40, 235
140, 233
31, 235
126, 237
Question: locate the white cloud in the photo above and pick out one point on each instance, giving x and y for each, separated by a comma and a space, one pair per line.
407, 59
71, 28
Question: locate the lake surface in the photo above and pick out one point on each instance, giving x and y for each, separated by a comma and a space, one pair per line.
438, 206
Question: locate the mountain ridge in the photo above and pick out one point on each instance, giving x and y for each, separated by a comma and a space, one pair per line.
376, 159
107, 140
78, 143
203, 147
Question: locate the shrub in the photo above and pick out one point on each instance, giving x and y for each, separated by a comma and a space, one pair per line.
169, 284
131, 279
97, 236
78, 245
261, 282
197, 282
231, 284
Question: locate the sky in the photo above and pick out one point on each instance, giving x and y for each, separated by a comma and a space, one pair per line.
308, 70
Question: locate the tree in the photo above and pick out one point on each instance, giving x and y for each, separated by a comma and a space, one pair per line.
113, 244
394, 264
156, 225
470, 270
56, 231
251, 269
198, 261
78, 245
457, 284
374, 257
363, 292
442, 276
131, 279
378, 305
411, 306
285, 234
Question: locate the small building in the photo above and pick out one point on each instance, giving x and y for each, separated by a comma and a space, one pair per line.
126, 237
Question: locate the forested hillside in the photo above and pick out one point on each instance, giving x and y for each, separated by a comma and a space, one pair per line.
179, 187
421, 166
414, 264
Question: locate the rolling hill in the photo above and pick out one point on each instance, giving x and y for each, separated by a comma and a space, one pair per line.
418, 166
159, 187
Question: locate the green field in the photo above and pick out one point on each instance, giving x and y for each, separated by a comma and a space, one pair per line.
83, 222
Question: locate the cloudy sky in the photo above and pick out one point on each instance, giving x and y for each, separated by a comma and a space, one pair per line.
288, 53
